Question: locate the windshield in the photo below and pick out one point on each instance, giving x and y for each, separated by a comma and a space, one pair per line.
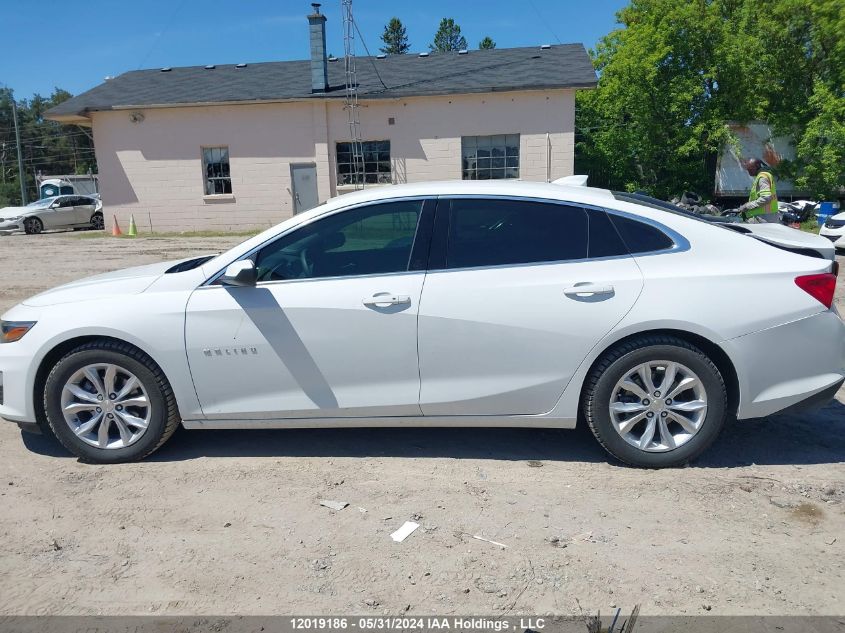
41, 204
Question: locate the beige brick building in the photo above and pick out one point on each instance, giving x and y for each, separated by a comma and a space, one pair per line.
235, 147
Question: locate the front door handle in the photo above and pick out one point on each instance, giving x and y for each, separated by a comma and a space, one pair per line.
384, 299
586, 289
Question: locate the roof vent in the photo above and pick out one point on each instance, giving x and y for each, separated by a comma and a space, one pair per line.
240, 65
166, 69
423, 54
381, 56
463, 51
545, 46
210, 67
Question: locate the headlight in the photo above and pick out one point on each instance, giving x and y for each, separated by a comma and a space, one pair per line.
20, 217
11, 331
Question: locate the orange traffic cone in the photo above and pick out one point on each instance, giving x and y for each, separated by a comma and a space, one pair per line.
115, 229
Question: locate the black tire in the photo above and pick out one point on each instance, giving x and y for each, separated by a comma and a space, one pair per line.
164, 415
97, 222
33, 226
622, 359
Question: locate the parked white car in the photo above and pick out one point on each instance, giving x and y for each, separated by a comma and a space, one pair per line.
58, 212
439, 304
834, 230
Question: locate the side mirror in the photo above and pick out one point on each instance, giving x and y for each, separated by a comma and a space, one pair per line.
241, 273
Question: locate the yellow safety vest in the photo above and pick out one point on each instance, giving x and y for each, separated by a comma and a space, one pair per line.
772, 205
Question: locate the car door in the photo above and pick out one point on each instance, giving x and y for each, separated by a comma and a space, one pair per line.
518, 293
330, 330
83, 209
60, 214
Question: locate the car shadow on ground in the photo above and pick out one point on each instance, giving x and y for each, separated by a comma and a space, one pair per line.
817, 437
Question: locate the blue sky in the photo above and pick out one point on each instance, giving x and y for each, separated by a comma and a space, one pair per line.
76, 45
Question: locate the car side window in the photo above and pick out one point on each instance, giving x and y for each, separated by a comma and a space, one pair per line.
604, 240
64, 203
375, 239
496, 232
640, 237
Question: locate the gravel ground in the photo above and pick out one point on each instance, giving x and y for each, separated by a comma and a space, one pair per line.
229, 522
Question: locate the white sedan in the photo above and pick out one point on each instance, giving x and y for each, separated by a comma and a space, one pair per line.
440, 304
58, 212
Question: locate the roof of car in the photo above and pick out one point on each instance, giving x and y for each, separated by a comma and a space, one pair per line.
391, 76
519, 188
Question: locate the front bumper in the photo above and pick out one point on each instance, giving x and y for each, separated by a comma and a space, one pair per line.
783, 366
837, 235
16, 365
8, 226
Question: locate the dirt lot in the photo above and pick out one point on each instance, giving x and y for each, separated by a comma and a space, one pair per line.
229, 522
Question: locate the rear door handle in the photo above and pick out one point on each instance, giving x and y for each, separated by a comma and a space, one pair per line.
586, 289
384, 299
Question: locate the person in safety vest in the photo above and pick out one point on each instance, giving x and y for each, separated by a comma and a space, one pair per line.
762, 205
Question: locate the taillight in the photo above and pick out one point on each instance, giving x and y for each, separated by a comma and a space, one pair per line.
821, 287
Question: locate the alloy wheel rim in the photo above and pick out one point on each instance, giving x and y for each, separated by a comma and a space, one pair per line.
658, 406
106, 406
98, 222
34, 225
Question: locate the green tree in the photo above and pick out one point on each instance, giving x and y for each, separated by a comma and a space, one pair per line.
395, 38
678, 71
486, 43
47, 147
448, 37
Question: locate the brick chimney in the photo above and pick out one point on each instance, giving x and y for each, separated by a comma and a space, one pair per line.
319, 64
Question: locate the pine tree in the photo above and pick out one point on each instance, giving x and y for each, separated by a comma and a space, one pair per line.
395, 38
448, 37
486, 43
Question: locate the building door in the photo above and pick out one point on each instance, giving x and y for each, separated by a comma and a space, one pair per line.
303, 176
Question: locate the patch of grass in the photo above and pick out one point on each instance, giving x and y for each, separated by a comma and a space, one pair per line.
185, 234
810, 226
808, 512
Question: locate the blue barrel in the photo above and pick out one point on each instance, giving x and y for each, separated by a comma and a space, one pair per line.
826, 209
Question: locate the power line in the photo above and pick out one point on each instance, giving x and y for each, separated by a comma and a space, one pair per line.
357, 30
544, 21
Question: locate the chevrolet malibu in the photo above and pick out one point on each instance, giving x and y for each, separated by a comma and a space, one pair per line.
441, 304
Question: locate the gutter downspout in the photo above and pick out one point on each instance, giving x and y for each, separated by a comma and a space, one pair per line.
548, 157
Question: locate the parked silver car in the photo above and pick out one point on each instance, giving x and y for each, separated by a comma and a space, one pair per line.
58, 212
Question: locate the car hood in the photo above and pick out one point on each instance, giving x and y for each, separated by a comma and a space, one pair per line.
128, 281
14, 212
789, 238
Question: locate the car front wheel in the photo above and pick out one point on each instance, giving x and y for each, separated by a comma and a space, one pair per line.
655, 402
107, 402
32, 226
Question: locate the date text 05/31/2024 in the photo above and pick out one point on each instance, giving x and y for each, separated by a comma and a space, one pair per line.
432, 623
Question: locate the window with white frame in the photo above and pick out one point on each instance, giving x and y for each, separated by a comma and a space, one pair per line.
490, 157
373, 163
215, 167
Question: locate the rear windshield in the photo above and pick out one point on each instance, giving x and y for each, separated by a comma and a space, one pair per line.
654, 203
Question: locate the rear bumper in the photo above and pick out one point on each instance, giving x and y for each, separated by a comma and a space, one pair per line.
816, 401
797, 363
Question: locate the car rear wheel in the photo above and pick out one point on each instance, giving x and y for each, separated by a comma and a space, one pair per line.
97, 222
32, 226
655, 402
107, 402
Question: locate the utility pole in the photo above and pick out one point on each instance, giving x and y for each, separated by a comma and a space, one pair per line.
20, 155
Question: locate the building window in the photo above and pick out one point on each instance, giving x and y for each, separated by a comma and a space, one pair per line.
373, 164
215, 166
490, 157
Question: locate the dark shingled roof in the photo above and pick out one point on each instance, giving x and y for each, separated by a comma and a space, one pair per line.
500, 69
